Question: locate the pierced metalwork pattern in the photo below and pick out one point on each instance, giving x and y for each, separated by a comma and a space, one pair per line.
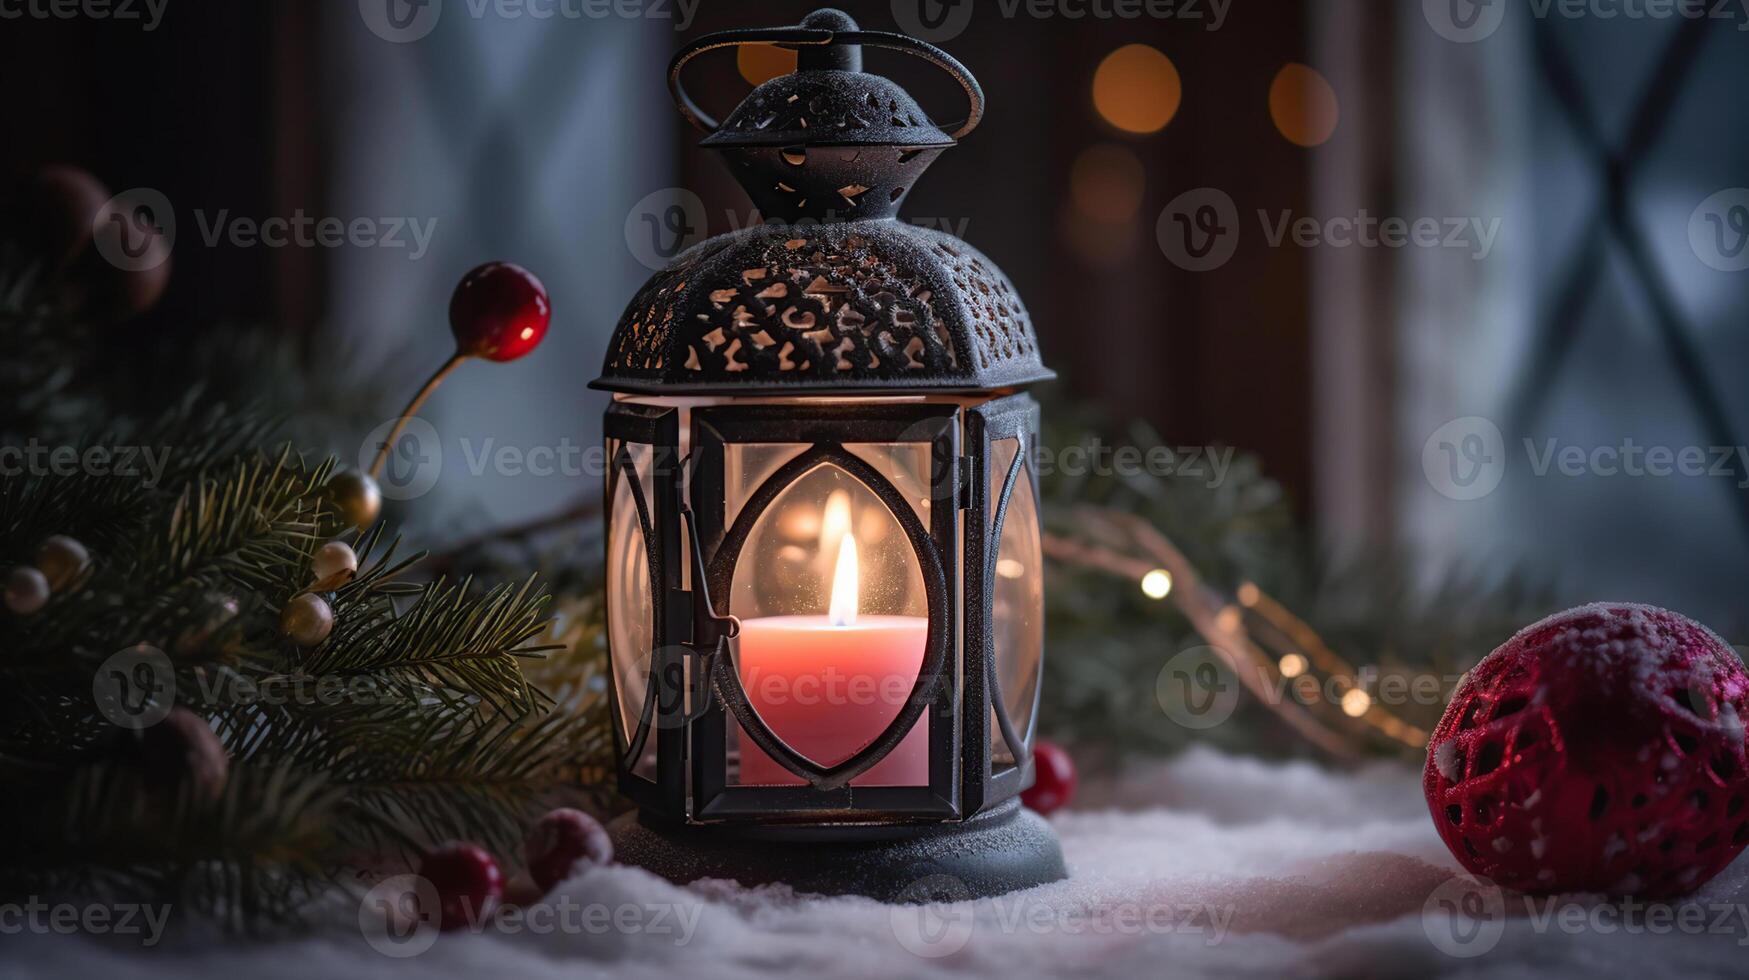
876, 303
827, 108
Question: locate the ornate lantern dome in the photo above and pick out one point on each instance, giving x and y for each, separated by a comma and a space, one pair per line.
832, 293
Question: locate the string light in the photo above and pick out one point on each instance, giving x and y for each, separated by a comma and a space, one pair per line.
1355, 702
1293, 665
1157, 584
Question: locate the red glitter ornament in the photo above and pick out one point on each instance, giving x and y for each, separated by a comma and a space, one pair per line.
499, 311
1053, 784
1598, 750
467, 882
564, 842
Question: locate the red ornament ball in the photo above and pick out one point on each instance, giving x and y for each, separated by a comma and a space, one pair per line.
563, 843
499, 311
467, 881
1053, 783
1598, 750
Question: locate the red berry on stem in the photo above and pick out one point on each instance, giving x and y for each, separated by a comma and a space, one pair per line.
1053, 783
499, 311
563, 843
467, 882
1598, 750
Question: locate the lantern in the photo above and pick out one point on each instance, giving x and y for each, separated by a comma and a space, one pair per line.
824, 570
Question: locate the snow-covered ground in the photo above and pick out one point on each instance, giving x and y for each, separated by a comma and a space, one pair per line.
1204, 865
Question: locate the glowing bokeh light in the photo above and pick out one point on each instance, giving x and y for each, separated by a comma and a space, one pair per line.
1106, 182
763, 62
1303, 105
1136, 89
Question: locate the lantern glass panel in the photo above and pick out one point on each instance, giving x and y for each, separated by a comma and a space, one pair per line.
631, 630
1017, 606
832, 633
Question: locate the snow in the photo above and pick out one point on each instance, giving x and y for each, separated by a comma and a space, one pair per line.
1204, 865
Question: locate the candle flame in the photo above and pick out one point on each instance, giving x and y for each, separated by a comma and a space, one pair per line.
842, 611
834, 522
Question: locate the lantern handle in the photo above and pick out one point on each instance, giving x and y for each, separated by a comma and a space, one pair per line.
809, 36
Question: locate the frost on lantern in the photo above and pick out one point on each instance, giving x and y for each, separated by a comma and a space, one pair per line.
825, 570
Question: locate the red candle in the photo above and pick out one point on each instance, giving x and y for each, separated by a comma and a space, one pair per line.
829, 685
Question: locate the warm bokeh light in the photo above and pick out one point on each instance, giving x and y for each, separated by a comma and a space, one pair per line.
1136, 89
1355, 702
1157, 584
1106, 182
763, 62
1293, 665
1010, 568
1303, 105
1249, 594
1229, 619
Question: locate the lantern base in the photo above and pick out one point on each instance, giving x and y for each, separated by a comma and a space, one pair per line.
1005, 849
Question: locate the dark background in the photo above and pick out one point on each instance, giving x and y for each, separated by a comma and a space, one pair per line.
533, 139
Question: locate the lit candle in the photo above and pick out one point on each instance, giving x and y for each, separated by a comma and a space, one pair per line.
829, 685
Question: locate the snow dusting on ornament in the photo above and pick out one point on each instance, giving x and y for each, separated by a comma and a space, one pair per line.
1598, 750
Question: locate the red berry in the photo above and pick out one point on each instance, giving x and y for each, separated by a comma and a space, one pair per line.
1053, 783
467, 882
563, 843
1598, 750
499, 311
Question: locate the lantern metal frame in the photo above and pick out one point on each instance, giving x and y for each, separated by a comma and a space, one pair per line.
854, 331
687, 708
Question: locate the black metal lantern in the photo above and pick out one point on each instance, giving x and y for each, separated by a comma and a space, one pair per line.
824, 565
